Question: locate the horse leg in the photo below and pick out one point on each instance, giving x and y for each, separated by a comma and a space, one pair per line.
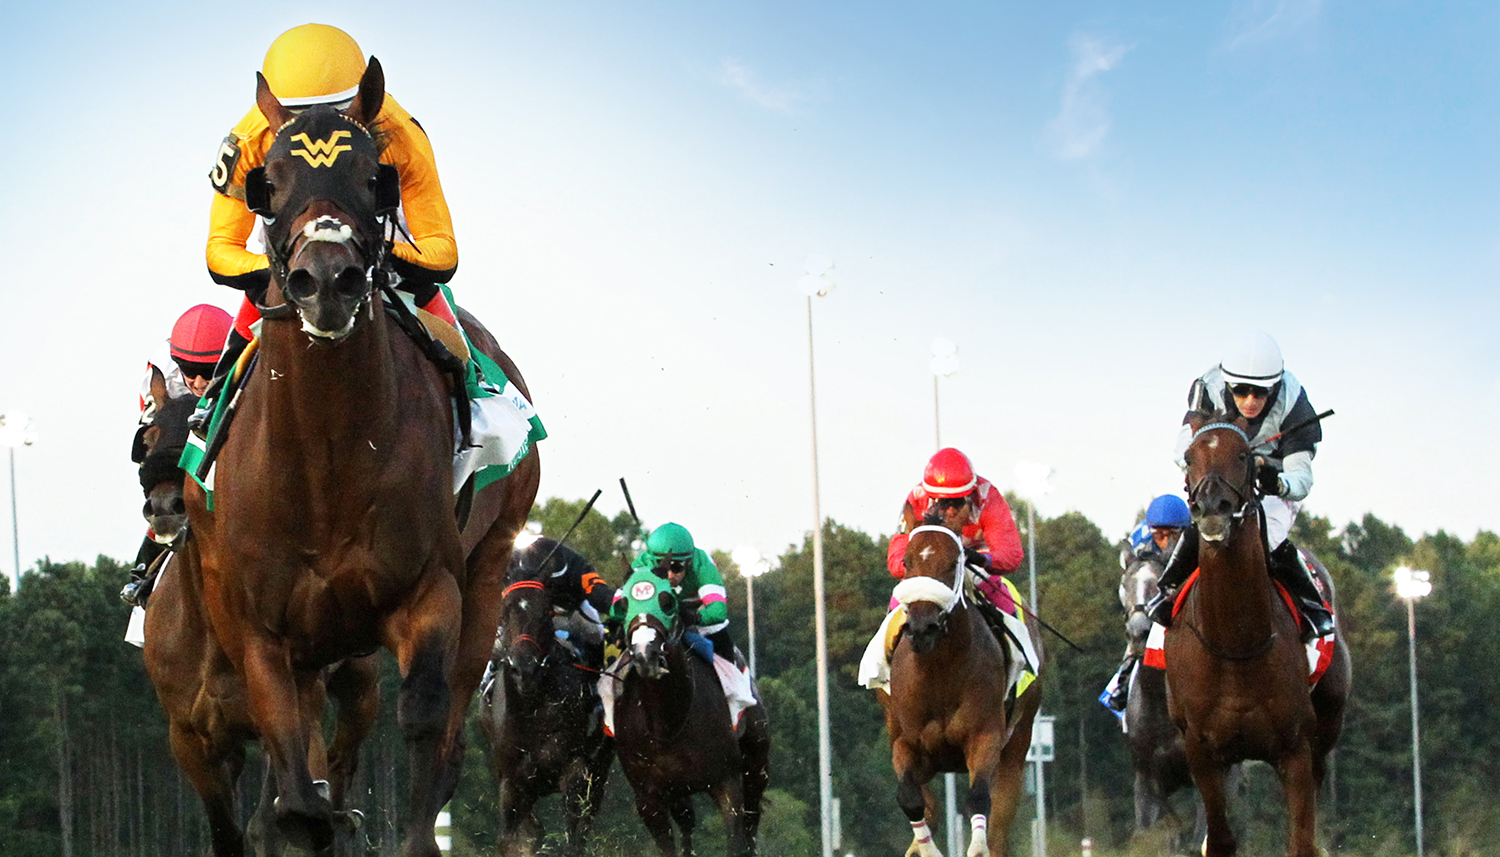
581, 789
687, 819
1301, 792
520, 832
1208, 776
913, 796
730, 797
422, 636
214, 783
648, 805
355, 687
303, 816
1005, 788
985, 755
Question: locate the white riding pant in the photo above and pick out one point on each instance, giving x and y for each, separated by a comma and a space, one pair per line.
1280, 515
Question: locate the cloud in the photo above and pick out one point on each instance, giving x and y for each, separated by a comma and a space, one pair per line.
736, 76
1083, 121
1258, 21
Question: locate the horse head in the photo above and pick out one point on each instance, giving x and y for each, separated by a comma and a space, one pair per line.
650, 621
1220, 472
933, 585
325, 195
1138, 585
158, 446
525, 634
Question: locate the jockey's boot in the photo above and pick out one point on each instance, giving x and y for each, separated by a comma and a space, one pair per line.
131, 594
1179, 567
234, 346
1287, 568
1115, 693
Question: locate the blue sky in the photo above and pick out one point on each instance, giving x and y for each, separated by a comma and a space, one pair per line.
1087, 198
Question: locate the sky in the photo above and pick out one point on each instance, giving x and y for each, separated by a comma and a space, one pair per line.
1089, 199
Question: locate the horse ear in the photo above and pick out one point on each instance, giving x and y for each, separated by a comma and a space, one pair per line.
158, 387
371, 97
276, 114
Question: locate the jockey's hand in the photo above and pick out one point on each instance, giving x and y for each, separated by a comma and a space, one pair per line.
977, 558
1268, 479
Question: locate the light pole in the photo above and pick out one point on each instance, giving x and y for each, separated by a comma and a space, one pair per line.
818, 282
1412, 585
1031, 483
944, 363
751, 565
16, 430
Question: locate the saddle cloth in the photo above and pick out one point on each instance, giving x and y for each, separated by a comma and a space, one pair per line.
875, 665
739, 688
1319, 650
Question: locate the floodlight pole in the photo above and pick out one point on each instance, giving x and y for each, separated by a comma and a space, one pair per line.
825, 754
750, 618
1039, 826
15, 526
1416, 748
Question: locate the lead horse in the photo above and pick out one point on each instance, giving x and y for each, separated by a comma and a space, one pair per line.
946, 707
1236, 667
333, 529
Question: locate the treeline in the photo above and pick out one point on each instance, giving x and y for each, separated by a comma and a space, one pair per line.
85, 769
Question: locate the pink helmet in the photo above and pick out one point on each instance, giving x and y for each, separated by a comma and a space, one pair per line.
198, 336
948, 474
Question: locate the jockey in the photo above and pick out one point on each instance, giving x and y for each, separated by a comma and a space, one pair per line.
186, 362
1251, 382
571, 585
1157, 535
1154, 538
310, 65
951, 489
692, 573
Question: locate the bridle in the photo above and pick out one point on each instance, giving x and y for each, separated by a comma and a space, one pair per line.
1246, 498
930, 589
518, 639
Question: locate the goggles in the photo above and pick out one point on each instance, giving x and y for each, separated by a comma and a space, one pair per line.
1247, 391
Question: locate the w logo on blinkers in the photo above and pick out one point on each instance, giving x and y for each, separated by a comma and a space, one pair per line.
321, 153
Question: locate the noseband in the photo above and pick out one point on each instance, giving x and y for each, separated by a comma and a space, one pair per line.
931, 589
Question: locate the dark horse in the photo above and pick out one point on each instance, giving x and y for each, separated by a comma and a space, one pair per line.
1156, 750
673, 733
945, 710
333, 530
208, 716
542, 721
1236, 666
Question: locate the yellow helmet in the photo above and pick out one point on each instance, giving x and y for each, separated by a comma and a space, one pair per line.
314, 64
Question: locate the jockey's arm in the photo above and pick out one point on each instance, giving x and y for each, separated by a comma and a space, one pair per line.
596, 592
710, 591
229, 263
432, 255
1296, 476
1000, 533
895, 553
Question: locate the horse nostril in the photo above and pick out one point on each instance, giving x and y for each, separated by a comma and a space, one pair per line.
300, 283
350, 281
176, 506
146, 510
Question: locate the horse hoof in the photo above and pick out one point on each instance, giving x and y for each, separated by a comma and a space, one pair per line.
322, 787
350, 820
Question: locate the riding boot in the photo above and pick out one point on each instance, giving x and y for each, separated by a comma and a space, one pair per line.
1115, 693
1286, 567
234, 346
1180, 566
131, 593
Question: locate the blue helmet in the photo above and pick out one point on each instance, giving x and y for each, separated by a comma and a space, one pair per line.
1168, 510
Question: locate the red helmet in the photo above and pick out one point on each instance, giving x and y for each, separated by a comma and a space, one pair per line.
198, 336
948, 474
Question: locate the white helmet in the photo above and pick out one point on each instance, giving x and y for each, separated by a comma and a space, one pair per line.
1253, 358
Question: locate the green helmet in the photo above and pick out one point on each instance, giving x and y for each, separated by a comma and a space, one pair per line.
670, 540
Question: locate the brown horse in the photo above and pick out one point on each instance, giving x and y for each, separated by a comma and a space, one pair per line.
334, 530
542, 721
945, 710
1236, 667
673, 733
208, 716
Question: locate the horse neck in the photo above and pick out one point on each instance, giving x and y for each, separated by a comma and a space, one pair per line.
353, 382
1234, 605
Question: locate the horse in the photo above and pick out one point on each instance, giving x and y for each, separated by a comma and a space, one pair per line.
334, 529
542, 722
1156, 750
945, 710
208, 715
1236, 669
673, 732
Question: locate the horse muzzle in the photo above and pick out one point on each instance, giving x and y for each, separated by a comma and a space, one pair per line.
925, 625
327, 281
